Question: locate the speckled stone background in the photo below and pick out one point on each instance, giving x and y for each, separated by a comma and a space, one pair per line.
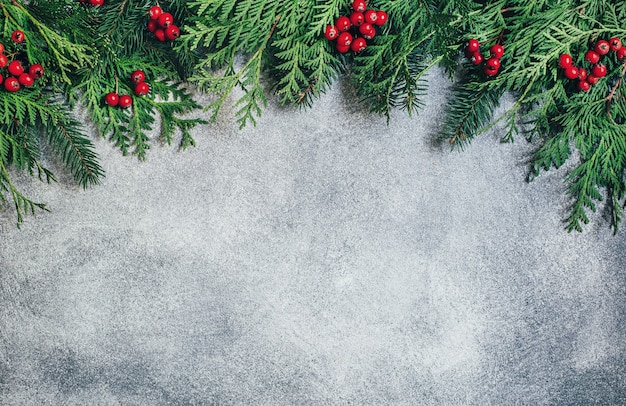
321, 257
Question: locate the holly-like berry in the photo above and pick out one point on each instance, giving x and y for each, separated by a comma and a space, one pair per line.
472, 45
582, 73
138, 76
621, 54
18, 36
367, 30
331, 32
3, 61
1, 48
96, 3
342, 48
615, 44
345, 39
155, 12
112, 99
496, 51
565, 60
152, 25
584, 86
476, 58
142, 89
602, 47
381, 18
125, 101
492, 66
1, 79
11, 84
592, 79
15, 68
159, 33
36, 71
343, 23
358, 45
359, 5
357, 18
172, 32
371, 16
592, 57
599, 70
26, 80
165, 20
571, 72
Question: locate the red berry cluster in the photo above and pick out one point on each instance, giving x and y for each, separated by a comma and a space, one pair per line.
138, 79
598, 70
361, 22
161, 24
18, 75
95, 3
491, 64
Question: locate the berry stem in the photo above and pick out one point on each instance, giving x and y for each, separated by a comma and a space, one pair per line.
609, 98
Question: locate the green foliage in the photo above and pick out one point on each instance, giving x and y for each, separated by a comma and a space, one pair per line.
548, 106
87, 52
36, 114
124, 45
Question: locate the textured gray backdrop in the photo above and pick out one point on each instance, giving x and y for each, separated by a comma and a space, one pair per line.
321, 257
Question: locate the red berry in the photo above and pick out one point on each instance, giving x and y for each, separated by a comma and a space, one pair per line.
571, 72
592, 79
497, 51
592, 57
331, 32
565, 60
142, 89
165, 20
599, 70
357, 18
343, 23
345, 39
582, 73
602, 47
152, 25
490, 71
367, 30
172, 32
17, 36
359, 5
1, 48
159, 34
381, 18
96, 3
3, 61
137, 76
621, 54
359, 44
112, 99
11, 84
26, 80
15, 68
472, 45
125, 101
371, 16
476, 58
1, 79
342, 48
584, 86
615, 43
492, 64
155, 12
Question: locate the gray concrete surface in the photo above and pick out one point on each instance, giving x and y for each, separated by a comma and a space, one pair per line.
319, 258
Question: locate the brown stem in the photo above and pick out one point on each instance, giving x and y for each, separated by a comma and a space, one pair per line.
609, 98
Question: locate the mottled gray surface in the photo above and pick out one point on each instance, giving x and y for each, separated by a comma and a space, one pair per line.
319, 258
